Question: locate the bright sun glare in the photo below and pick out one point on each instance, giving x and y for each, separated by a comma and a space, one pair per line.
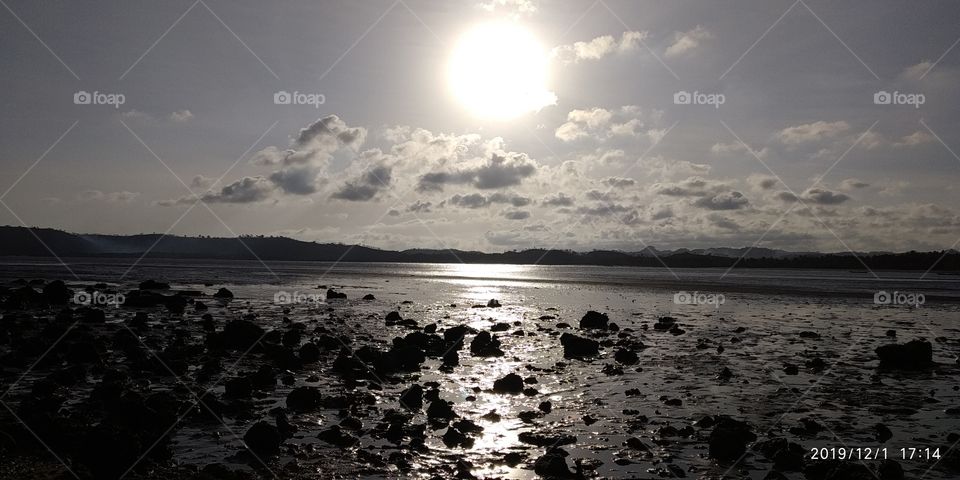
499, 71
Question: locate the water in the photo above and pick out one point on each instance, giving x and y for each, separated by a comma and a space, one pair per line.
758, 325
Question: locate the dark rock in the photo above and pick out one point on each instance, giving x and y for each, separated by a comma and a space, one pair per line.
333, 294
493, 303
626, 357
335, 436
485, 345
545, 406
595, 320
455, 438
786, 456
239, 387
303, 399
552, 465
369, 296
512, 384
881, 433
913, 355
791, 369
729, 439
242, 334
263, 439
890, 470
578, 347
309, 352
154, 285
441, 410
543, 440
223, 293
57, 293
412, 397
393, 317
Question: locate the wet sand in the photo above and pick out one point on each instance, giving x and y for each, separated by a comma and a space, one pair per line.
798, 372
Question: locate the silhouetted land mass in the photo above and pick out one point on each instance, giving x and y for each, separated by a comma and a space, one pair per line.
45, 242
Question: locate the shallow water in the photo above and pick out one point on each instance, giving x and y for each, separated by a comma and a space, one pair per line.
759, 331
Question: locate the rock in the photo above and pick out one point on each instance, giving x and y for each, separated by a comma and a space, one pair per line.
485, 345
412, 398
543, 440
369, 296
154, 285
545, 406
626, 357
512, 384
223, 293
791, 369
303, 399
725, 374
637, 444
552, 465
664, 323
729, 439
441, 410
309, 352
882, 433
242, 334
890, 470
333, 294
455, 438
335, 436
913, 355
578, 347
239, 387
595, 320
263, 439
786, 456
57, 293
393, 317
493, 303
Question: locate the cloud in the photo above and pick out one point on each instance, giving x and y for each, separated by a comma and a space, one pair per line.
298, 179
618, 182
811, 132
514, 8
684, 42
367, 186
824, 197
819, 196
600, 124
109, 197
916, 72
181, 116
915, 138
690, 187
557, 200
330, 131
516, 214
420, 207
202, 182
478, 200
762, 182
499, 171
245, 190
723, 201
598, 47
853, 184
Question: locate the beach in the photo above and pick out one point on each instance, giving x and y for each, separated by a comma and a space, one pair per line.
484, 371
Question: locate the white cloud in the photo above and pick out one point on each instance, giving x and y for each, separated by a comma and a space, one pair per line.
684, 42
109, 197
598, 48
811, 132
181, 116
599, 124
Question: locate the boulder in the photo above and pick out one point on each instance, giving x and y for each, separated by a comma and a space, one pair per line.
303, 399
552, 465
57, 293
263, 439
493, 303
913, 355
594, 320
242, 334
333, 294
626, 357
412, 397
729, 439
511, 384
154, 285
578, 347
223, 293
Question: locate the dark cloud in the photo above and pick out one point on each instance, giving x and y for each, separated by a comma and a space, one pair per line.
723, 201
297, 180
691, 187
330, 128
420, 207
824, 197
367, 186
479, 200
516, 214
245, 190
498, 172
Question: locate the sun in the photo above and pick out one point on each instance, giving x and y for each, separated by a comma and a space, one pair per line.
500, 71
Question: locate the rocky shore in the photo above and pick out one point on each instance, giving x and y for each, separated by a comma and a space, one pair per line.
201, 383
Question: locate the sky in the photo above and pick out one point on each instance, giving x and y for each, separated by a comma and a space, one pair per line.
487, 124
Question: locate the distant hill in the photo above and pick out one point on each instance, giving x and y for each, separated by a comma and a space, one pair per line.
39, 242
